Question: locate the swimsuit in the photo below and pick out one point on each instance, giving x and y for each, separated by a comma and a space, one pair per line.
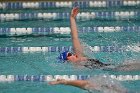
93, 63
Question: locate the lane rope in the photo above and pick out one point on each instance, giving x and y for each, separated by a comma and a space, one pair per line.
113, 15
45, 78
65, 30
11, 50
81, 4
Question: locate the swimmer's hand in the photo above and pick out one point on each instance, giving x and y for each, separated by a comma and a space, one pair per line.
74, 12
58, 81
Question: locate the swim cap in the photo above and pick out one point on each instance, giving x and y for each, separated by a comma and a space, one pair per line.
63, 56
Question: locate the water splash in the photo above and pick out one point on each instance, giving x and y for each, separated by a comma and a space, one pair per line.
129, 65
87, 50
105, 84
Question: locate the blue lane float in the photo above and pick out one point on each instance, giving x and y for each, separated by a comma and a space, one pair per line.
64, 30
81, 4
114, 15
11, 50
47, 78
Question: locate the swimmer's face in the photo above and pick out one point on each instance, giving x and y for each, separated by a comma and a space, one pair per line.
71, 57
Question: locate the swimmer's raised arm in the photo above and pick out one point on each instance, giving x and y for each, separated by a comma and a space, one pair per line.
74, 33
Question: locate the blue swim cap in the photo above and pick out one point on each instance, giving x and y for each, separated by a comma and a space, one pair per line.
63, 56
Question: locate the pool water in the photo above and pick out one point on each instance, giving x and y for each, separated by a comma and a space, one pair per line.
46, 63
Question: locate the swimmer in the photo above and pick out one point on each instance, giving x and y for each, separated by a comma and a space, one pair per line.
97, 83
78, 55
